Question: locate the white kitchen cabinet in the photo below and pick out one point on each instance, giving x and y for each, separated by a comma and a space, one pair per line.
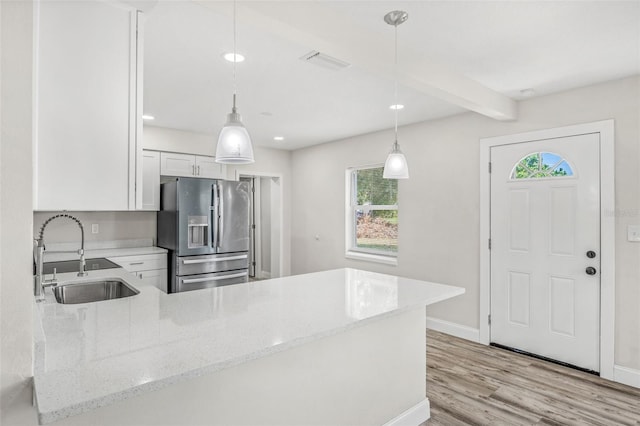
206, 167
86, 105
149, 268
150, 180
188, 165
156, 278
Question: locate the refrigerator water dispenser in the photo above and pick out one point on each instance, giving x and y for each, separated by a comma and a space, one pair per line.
198, 231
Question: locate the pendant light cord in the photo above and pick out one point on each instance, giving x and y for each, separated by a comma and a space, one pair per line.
396, 85
235, 58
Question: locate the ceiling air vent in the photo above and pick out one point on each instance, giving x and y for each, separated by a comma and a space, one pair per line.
326, 61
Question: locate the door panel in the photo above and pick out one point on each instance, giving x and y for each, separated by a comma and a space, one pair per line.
519, 220
194, 216
562, 302
519, 288
206, 167
562, 211
233, 232
542, 224
172, 164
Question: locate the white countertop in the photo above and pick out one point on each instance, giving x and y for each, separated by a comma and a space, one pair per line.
97, 353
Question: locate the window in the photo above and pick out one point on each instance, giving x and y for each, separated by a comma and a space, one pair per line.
372, 215
541, 165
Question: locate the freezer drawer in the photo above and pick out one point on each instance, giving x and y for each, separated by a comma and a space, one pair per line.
197, 282
189, 265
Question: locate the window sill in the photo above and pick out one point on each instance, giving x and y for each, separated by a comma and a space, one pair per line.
368, 257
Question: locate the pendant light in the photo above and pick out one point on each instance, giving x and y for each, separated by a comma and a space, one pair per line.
396, 165
234, 142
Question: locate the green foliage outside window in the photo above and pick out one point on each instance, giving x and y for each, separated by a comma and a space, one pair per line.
373, 189
541, 165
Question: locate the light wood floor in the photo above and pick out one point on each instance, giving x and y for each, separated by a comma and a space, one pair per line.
472, 384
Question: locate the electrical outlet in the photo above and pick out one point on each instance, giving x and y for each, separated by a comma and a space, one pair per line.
633, 233
95, 228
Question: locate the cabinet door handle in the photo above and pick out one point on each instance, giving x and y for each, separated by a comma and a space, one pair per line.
136, 263
198, 170
193, 170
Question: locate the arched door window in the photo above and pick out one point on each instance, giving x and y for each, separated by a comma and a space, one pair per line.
541, 165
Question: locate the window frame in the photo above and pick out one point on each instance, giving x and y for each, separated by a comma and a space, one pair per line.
546, 173
352, 251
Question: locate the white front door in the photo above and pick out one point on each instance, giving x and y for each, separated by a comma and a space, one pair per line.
545, 248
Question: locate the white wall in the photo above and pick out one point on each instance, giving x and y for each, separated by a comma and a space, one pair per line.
268, 162
439, 204
16, 288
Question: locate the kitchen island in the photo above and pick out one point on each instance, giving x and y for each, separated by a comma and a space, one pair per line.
336, 347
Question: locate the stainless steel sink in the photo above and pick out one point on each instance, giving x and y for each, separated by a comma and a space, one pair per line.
93, 291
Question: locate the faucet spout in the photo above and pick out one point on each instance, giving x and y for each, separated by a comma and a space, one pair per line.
39, 248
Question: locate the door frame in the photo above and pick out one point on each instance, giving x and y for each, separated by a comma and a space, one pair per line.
607, 228
280, 207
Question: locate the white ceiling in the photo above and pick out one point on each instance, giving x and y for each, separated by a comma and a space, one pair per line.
454, 56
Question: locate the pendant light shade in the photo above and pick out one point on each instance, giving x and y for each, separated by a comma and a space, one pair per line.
234, 143
396, 165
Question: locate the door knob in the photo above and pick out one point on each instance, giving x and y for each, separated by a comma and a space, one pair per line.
590, 270
591, 254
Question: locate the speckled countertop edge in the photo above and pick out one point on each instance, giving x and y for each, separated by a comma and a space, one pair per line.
93, 403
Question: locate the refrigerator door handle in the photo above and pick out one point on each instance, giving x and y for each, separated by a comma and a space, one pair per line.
218, 278
220, 218
214, 216
218, 259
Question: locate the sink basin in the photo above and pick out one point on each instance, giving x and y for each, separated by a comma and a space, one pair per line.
93, 291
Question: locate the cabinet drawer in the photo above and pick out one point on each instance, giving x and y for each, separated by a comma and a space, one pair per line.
146, 262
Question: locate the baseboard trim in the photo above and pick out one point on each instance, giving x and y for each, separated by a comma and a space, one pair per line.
626, 376
414, 416
457, 330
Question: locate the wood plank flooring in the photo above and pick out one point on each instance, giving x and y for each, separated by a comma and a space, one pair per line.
473, 384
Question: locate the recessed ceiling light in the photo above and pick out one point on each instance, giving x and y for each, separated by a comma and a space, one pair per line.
229, 57
148, 117
278, 138
398, 106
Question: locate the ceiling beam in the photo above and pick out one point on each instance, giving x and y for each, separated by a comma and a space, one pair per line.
317, 26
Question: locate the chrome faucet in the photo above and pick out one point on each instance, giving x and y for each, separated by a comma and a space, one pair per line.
38, 255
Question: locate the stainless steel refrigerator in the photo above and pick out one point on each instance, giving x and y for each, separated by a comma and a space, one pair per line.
204, 224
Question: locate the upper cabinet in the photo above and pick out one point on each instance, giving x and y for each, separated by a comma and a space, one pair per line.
150, 185
88, 106
188, 165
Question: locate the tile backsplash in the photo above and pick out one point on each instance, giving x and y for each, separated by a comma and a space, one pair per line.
111, 226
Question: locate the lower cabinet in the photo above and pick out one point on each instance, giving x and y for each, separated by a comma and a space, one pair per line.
156, 277
149, 268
